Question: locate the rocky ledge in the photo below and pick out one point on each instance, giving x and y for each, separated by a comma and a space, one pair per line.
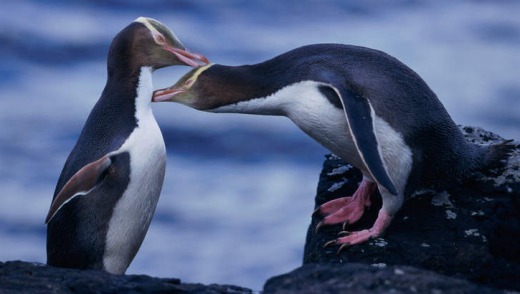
463, 240
24, 277
470, 232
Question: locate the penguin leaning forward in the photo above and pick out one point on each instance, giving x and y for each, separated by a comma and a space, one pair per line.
110, 184
365, 106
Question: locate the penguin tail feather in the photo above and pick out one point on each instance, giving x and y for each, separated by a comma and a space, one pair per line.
498, 154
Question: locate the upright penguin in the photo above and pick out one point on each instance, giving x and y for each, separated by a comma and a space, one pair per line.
110, 184
363, 105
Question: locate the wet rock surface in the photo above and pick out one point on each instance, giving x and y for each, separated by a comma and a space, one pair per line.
24, 277
363, 278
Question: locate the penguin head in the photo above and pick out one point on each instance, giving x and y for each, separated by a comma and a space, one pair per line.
190, 89
148, 42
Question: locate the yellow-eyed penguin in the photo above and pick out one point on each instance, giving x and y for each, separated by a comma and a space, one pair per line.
110, 184
363, 105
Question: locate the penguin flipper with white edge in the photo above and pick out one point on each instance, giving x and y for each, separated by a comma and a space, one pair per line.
82, 183
360, 117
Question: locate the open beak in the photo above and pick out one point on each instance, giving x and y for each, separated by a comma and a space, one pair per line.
188, 58
166, 94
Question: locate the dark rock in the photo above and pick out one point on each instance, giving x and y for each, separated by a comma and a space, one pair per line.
471, 231
363, 278
24, 277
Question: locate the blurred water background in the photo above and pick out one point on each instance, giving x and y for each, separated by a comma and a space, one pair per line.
239, 189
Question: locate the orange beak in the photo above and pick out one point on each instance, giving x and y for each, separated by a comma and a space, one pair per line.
188, 58
165, 94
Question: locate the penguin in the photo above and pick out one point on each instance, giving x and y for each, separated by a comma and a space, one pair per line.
363, 105
108, 189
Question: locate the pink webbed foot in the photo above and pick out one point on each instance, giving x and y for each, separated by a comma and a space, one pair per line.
353, 238
347, 209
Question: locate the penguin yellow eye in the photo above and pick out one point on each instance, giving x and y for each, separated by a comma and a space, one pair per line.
159, 39
189, 83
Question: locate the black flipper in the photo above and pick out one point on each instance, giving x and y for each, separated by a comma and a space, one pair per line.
361, 123
81, 183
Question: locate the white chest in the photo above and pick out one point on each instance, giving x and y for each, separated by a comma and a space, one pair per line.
133, 212
311, 111
322, 121
328, 125
307, 107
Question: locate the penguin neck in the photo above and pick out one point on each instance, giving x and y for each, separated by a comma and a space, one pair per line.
132, 91
143, 98
247, 89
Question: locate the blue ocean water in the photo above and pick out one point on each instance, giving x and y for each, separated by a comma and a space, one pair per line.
239, 189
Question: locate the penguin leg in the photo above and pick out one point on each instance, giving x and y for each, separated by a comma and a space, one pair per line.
348, 209
391, 205
382, 222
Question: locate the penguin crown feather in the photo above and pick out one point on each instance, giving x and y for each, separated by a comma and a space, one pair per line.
148, 42
160, 32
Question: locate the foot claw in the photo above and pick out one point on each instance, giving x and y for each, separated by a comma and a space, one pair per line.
344, 233
345, 224
330, 243
318, 226
344, 246
358, 237
316, 211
